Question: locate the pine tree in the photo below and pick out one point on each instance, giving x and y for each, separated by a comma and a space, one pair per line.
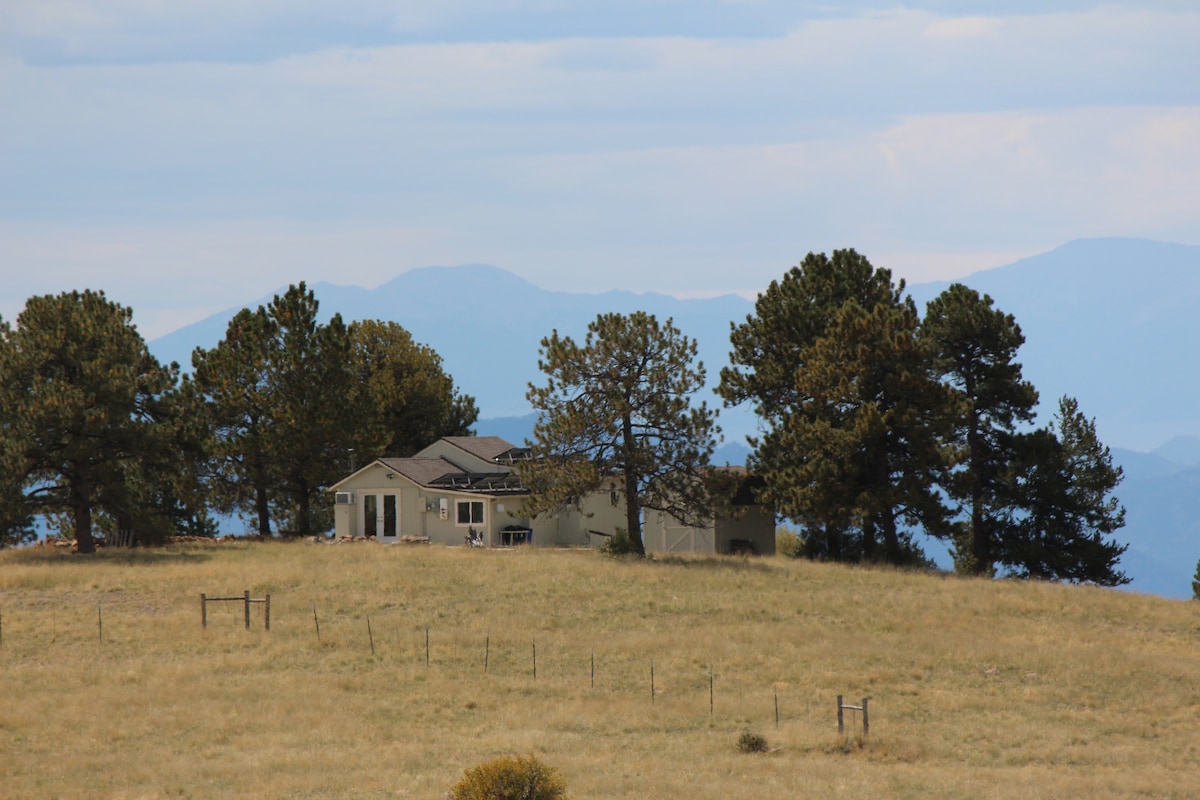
290, 401
618, 407
851, 415
869, 446
230, 389
1066, 510
80, 396
975, 347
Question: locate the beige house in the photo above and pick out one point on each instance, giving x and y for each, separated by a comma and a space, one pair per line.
466, 487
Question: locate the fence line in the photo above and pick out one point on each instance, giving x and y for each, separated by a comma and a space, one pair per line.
246, 600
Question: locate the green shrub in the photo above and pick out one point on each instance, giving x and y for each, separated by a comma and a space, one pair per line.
788, 542
619, 544
752, 743
510, 778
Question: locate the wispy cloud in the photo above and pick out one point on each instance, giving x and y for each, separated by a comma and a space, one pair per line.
348, 142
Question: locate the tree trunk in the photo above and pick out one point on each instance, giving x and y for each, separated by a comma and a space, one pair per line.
81, 508
886, 515
264, 511
633, 505
891, 540
981, 537
262, 507
633, 514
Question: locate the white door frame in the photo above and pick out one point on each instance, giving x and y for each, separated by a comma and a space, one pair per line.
380, 517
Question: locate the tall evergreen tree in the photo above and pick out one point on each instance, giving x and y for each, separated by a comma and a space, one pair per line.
1067, 512
80, 394
975, 347
16, 514
867, 449
230, 389
835, 439
312, 426
618, 407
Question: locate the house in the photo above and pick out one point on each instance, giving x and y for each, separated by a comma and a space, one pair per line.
463, 487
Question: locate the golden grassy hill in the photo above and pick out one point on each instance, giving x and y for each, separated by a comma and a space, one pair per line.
110, 687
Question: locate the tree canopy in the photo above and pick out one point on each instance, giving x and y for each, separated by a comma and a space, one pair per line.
877, 425
291, 402
618, 409
852, 417
80, 396
1065, 508
403, 397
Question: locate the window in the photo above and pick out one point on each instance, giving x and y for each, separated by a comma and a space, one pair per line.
470, 512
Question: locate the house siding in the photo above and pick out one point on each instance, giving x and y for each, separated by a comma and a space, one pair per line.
591, 524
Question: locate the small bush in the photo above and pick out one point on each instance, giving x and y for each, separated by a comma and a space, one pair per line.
510, 778
619, 544
788, 542
752, 743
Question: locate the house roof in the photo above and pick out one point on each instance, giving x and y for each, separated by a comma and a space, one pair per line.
440, 473
488, 448
422, 471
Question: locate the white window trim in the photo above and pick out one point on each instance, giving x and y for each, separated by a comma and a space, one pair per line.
482, 521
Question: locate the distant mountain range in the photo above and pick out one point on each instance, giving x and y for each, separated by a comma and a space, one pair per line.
1112, 322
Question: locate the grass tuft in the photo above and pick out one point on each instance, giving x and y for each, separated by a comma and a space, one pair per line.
750, 742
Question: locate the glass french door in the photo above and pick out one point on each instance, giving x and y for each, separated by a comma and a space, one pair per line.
381, 515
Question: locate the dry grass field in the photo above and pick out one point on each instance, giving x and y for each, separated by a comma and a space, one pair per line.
110, 687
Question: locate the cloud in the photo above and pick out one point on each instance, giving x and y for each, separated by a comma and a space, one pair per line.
963, 28
934, 196
582, 162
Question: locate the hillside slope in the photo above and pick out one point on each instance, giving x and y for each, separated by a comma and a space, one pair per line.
389, 670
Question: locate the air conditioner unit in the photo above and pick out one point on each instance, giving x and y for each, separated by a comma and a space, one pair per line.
344, 498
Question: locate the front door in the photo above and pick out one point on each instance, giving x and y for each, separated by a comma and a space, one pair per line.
380, 515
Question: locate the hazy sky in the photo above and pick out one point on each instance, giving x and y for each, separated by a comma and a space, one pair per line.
189, 155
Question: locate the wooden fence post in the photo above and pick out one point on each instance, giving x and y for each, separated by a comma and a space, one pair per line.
267, 611
865, 715
203, 610
247, 596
